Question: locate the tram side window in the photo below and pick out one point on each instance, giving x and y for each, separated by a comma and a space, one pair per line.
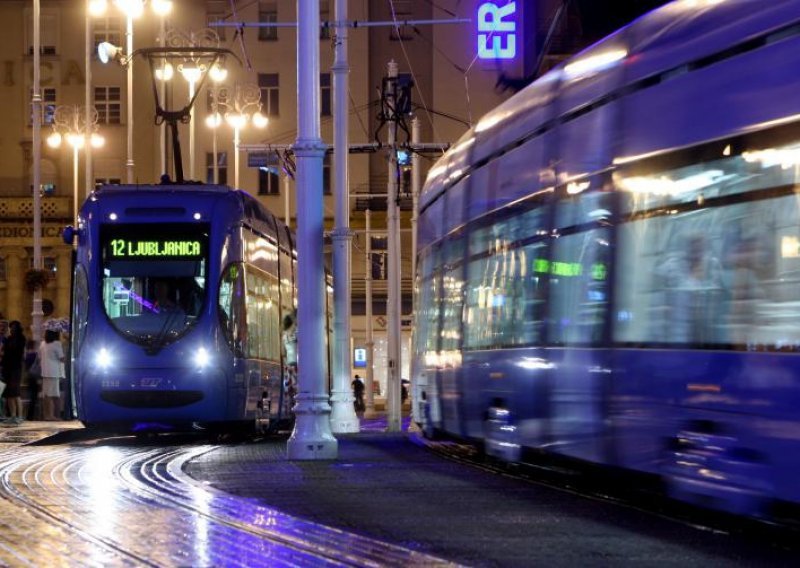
262, 316
80, 307
578, 287
232, 308
713, 278
504, 293
428, 316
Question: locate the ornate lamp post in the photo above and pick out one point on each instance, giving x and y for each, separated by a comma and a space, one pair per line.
239, 106
70, 123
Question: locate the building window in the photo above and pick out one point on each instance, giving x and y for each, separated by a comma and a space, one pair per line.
402, 11
378, 253
326, 174
48, 189
217, 10
222, 167
106, 29
2, 269
324, 18
48, 35
325, 94
269, 169
108, 105
267, 14
48, 104
269, 85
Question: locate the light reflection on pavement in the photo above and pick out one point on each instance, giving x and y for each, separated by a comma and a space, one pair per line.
122, 504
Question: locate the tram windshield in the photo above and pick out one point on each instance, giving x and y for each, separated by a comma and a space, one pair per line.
154, 279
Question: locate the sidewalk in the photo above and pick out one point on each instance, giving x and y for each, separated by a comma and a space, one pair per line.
34, 430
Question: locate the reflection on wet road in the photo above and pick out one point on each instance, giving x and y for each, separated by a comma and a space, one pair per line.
124, 505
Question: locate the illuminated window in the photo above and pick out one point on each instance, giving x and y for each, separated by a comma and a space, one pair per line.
106, 29
222, 167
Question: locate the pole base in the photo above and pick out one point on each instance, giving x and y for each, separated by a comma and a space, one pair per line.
312, 438
344, 419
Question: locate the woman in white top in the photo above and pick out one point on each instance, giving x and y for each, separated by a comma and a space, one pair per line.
51, 357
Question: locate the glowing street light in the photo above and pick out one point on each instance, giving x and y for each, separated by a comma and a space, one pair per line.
106, 52
70, 124
239, 105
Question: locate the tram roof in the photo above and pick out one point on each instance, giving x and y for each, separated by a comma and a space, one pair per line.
664, 39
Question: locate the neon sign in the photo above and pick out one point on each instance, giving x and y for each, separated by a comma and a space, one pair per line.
497, 30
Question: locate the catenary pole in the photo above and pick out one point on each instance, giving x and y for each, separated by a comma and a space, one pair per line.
369, 412
416, 182
89, 122
311, 438
393, 422
343, 415
36, 102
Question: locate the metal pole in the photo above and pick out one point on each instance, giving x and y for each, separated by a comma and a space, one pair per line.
343, 416
369, 412
162, 32
393, 422
214, 150
416, 181
89, 185
75, 181
236, 157
312, 437
36, 102
191, 137
286, 186
129, 42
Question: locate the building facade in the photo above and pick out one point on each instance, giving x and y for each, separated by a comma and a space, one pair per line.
448, 67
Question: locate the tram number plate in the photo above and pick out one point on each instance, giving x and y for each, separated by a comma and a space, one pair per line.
150, 382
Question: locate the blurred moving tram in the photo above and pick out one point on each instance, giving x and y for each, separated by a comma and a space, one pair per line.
609, 262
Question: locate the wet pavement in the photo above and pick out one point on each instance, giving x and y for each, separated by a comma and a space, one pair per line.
388, 500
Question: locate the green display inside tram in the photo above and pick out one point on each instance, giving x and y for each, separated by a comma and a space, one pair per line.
154, 279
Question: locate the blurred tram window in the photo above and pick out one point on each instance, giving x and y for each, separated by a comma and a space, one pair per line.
710, 253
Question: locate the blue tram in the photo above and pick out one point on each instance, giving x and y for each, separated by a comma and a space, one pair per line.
179, 292
609, 262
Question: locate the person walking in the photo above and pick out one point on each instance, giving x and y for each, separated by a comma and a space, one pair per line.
358, 392
289, 337
51, 355
33, 369
13, 355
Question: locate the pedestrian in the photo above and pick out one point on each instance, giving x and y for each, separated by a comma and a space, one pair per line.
289, 337
358, 392
13, 356
33, 369
51, 355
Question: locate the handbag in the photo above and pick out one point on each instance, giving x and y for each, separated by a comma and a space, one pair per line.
36, 367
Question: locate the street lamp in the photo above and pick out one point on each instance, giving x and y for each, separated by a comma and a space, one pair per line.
132, 10
238, 105
70, 123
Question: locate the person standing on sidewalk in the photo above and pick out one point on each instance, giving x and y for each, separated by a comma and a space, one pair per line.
33, 369
51, 355
13, 355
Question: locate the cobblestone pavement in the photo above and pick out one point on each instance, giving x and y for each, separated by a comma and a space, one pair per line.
120, 503
385, 501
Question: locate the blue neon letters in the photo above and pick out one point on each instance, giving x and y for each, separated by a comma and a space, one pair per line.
497, 31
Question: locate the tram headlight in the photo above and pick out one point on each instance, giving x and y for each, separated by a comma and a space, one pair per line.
202, 357
103, 358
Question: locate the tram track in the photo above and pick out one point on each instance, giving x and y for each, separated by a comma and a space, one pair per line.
129, 506
616, 488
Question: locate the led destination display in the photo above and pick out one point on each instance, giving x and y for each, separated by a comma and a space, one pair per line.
149, 247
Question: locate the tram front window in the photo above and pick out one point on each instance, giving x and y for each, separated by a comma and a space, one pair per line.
154, 279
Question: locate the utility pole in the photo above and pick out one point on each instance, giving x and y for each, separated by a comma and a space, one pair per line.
393, 419
343, 415
36, 102
369, 412
416, 183
312, 438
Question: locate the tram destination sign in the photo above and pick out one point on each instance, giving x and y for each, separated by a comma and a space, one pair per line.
154, 248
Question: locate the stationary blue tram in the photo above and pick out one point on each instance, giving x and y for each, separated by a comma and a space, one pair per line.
609, 262
179, 294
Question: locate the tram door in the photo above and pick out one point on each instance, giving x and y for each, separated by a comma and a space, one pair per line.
578, 306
